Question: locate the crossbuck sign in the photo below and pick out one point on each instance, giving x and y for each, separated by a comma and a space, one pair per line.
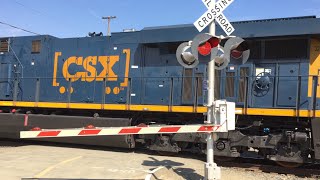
214, 12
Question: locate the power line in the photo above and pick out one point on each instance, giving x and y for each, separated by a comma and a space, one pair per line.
19, 28
34, 10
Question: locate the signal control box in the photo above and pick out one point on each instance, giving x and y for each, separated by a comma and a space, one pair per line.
225, 115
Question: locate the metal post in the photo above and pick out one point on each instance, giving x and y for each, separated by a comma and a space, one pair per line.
109, 20
108, 33
212, 172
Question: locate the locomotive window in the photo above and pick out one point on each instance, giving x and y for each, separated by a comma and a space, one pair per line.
169, 48
36, 46
289, 48
4, 45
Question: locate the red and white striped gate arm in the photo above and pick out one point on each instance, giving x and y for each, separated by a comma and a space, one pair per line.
105, 131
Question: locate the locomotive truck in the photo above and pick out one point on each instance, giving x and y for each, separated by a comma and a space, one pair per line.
134, 78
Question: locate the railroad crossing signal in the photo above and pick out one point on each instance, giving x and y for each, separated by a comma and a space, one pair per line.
209, 48
214, 12
205, 47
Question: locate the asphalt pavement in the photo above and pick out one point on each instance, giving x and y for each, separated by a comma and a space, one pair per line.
38, 161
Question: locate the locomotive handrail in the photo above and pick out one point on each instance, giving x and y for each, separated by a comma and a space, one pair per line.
314, 95
128, 99
15, 55
298, 97
246, 95
195, 99
171, 94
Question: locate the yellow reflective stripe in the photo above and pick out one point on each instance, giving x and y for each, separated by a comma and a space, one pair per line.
156, 108
114, 107
269, 112
277, 112
183, 109
84, 106
49, 105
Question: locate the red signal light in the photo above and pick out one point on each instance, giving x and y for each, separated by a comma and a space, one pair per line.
214, 42
236, 54
239, 49
205, 48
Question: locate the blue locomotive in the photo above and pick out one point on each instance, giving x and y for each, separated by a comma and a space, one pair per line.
133, 78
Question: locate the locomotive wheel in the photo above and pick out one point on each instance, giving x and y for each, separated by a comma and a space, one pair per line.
289, 164
224, 158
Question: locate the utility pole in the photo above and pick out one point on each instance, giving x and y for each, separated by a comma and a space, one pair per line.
109, 20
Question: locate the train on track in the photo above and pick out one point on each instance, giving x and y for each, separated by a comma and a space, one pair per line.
133, 78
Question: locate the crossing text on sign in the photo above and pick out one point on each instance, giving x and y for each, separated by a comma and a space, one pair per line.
214, 13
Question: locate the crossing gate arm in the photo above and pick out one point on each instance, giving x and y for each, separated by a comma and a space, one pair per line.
106, 131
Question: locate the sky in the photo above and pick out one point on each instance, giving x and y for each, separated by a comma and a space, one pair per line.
75, 18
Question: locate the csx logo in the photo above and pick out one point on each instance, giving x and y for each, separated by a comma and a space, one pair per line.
89, 71
89, 65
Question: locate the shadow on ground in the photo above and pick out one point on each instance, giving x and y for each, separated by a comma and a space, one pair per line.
185, 173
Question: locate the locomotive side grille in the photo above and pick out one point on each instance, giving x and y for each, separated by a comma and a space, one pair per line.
255, 49
242, 83
217, 79
200, 84
36, 46
4, 46
292, 48
187, 85
229, 91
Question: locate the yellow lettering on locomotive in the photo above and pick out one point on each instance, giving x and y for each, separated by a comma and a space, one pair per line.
89, 65
84, 69
108, 62
65, 69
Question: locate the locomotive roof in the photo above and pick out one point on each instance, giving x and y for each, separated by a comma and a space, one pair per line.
306, 25
294, 26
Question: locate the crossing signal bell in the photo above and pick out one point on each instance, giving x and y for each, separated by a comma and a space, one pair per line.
205, 47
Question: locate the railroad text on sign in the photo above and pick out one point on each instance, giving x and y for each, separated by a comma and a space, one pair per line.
215, 12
